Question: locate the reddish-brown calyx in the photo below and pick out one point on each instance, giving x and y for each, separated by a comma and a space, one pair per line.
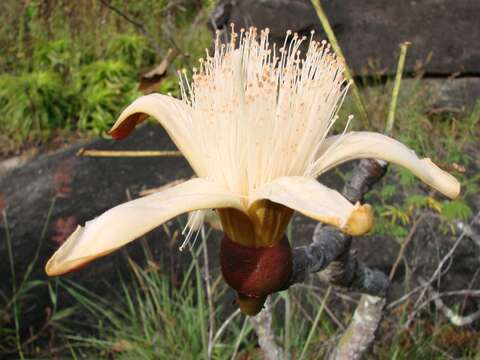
255, 255
255, 272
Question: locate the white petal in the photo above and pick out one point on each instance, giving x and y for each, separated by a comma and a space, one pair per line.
173, 114
309, 197
126, 222
357, 145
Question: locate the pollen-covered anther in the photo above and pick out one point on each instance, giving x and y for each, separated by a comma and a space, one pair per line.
360, 221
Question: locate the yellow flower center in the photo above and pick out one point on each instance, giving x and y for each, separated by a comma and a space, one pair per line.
264, 225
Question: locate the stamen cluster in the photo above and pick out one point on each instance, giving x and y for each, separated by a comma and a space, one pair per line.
261, 112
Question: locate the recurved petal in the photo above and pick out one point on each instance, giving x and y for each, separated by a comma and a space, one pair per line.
126, 222
309, 197
171, 113
356, 145
165, 109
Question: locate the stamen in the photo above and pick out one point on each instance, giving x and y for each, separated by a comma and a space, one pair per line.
261, 111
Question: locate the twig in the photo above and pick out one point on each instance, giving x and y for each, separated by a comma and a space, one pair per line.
396, 87
424, 288
150, 81
454, 318
361, 331
330, 248
315, 322
409, 238
262, 323
338, 51
224, 326
444, 260
134, 22
239, 339
470, 285
469, 231
172, 4
128, 153
435, 295
329, 312
330, 252
211, 313
404, 298
287, 335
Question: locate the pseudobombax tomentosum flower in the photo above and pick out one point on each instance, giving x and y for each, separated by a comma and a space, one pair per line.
253, 125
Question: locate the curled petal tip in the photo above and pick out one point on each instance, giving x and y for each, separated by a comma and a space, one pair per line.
359, 145
127, 222
121, 129
59, 265
55, 269
447, 184
360, 221
455, 191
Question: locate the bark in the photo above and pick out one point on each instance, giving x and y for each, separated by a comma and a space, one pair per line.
262, 323
361, 331
329, 253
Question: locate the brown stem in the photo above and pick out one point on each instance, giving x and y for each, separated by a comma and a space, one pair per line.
330, 250
330, 253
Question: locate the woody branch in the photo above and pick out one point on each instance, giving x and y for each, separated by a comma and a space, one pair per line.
329, 251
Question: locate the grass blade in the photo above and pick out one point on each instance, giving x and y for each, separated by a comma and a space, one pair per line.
338, 51
315, 322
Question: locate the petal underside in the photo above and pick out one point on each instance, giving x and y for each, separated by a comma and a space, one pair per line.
357, 145
126, 222
307, 196
162, 107
171, 113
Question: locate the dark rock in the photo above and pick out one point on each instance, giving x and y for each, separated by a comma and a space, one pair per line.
444, 33
454, 95
84, 187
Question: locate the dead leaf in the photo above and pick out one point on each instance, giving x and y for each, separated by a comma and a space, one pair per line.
150, 81
453, 167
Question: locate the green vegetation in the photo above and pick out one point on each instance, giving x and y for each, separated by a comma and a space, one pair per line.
75, 65
152, 316
446, 138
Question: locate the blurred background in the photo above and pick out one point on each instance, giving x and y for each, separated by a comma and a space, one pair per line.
68, 68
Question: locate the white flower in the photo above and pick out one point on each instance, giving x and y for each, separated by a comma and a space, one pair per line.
253, 125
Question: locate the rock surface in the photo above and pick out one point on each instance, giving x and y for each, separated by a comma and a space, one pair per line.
84, 187
444, 33
454, 94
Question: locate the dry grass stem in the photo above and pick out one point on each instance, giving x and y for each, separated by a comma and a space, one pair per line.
396, 87
338, 51
128, 153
